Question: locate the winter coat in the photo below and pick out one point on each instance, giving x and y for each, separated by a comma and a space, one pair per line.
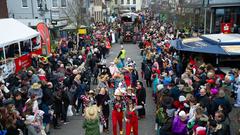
221, 101
37, 92
179, 127
91, 127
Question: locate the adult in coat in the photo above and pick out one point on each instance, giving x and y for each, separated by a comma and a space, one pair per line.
141, 99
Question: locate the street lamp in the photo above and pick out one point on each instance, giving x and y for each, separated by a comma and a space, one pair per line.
42, 11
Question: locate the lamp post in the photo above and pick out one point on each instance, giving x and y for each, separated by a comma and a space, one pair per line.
43, 10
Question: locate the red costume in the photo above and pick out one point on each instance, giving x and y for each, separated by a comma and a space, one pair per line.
117, 115
127, 79
132, 122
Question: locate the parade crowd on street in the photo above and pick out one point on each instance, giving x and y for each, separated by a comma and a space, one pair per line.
192, 97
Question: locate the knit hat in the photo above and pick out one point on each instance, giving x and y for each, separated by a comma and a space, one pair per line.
214, 91
182, 115
201, 131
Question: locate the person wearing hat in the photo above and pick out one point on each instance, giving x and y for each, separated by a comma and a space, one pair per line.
179, 125
221, 100
88, 99
37, 91
131, 117
117, 112
103, 100
130, 95
91, 122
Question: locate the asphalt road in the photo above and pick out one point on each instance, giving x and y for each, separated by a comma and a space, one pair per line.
146, 126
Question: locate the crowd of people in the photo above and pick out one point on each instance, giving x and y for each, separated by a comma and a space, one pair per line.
191, 97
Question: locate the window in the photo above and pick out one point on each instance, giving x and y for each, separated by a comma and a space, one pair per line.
63, 3
39, 3
25, 47
12, 51
24, 3
128, 1
54, 3
122, 1
116, 2
134, 1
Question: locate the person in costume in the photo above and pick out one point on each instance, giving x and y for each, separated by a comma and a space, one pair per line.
117, 112
91, 122
131, 117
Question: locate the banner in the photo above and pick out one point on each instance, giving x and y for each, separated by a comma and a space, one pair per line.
45, 37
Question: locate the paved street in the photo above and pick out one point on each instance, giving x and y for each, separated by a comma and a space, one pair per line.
146, 126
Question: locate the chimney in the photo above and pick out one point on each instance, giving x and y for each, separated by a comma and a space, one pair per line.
3, 9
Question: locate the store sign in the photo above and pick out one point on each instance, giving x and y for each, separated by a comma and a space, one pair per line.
226, 28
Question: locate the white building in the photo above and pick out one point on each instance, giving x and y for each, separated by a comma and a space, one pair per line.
31, 12
131, 5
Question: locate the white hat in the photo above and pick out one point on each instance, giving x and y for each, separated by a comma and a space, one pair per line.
160, 87
182, 98
80, 56
121, 46
182, 114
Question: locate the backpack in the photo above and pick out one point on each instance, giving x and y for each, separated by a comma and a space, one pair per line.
161, 116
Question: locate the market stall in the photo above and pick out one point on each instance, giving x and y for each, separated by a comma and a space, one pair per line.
17, 43
224, 46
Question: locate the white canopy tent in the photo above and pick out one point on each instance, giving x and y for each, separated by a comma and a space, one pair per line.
13, 31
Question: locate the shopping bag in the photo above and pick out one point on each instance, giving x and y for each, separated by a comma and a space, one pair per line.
101, 128
69, 111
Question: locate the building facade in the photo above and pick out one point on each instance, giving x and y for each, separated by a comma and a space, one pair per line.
127, 5
98, 11
31, 12
224, 11
3, 9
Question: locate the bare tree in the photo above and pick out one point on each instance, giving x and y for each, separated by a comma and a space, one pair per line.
75, 12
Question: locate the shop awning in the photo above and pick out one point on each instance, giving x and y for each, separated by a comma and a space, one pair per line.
13, 31
222, 44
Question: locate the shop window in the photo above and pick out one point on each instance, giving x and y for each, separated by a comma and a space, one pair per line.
128, 1
122, 1
25, 47
12, 51
116, 2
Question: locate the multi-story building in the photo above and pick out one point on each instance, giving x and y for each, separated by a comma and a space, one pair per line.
31, 12
52, 12
98, 11
127, 5
3, 9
